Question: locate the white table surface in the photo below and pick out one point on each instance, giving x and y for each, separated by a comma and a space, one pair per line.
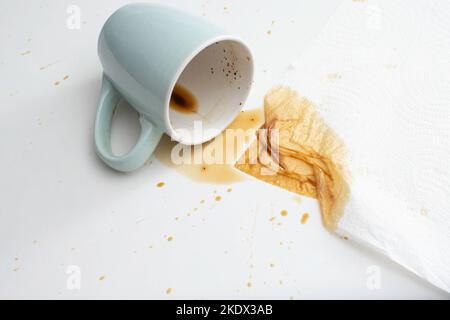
61, 208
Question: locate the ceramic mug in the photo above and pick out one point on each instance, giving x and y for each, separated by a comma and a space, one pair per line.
148, 49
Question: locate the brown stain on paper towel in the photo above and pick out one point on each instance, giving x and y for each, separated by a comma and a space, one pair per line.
308, 158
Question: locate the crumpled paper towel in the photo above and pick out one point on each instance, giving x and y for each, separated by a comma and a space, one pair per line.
379, 73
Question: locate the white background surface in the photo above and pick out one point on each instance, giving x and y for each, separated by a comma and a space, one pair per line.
61, 207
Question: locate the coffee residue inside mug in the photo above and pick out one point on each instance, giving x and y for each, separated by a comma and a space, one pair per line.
182, 100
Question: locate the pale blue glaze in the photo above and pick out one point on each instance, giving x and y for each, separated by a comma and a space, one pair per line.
142, 48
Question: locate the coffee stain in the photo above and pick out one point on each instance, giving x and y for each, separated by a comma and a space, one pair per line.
182, 100
66, 77
169, 238
297, 199
333, 76
101, 278
390, 66
160, 184
169, 290
56, 83
304, 218
218, 198
309, 158
48, 65
216, 171
424, 211
284, 213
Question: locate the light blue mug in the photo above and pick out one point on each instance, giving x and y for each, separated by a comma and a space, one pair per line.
148, 49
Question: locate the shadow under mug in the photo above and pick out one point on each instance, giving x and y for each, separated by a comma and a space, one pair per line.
146, 50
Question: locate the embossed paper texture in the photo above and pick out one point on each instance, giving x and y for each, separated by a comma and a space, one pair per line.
379, 76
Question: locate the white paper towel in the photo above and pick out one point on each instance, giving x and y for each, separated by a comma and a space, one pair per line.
380, 75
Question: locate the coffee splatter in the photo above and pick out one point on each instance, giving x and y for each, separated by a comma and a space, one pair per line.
334, 76
304, 218
160, 184
219, 167
297, 199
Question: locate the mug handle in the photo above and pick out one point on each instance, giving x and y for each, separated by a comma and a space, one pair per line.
144, 147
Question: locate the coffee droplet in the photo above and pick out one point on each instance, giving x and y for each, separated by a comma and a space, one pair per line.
304, 218
284, 213
182, 100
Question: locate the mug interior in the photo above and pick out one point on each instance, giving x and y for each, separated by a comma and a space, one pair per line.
218, 81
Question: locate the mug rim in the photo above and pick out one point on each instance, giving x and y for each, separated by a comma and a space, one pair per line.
182, 67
